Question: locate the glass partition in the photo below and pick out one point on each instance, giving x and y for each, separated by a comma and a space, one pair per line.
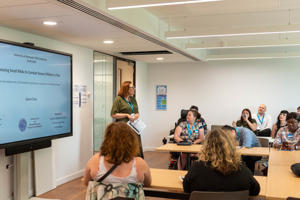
103, 95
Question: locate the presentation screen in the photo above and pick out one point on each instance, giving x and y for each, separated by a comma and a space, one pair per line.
36, 94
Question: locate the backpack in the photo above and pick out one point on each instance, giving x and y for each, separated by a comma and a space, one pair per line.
100, 191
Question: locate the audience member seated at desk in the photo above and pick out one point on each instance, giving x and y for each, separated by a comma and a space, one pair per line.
281, 122
298, 110
246, 138
246, 120
199, 118
219, 167
190, 130
288, 138
264, 121
120, 146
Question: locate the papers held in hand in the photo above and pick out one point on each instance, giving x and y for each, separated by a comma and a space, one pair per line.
138, 126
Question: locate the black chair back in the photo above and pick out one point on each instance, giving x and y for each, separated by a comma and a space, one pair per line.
237, 195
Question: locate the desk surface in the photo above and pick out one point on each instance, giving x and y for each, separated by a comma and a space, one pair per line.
169, 180
282, 183
177, 148
278, 157
255, 151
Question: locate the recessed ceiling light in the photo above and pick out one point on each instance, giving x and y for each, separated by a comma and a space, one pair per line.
97, 61
108, 42
49, 23
161, 4
159, 58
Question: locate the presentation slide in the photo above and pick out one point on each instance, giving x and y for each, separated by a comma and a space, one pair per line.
35, 93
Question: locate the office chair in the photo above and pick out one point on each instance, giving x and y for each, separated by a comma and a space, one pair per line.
237, 195
264, 142
214, 127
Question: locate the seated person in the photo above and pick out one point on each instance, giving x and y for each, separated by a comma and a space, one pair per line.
199, 118
246, 138
189, 130
120, 146
298, 110
288, 138
246, 120
281, 122
264, 121
219, 167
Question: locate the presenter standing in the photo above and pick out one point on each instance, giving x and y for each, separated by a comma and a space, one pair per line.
125, 107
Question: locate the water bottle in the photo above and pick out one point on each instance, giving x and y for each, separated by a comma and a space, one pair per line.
164, 141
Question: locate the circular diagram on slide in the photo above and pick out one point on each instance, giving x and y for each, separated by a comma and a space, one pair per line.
22, 125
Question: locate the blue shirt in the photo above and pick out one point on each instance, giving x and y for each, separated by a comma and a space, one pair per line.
246, 137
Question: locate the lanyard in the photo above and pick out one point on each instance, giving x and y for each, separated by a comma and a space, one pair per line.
130, 104
261, 120
190, 130
237, 133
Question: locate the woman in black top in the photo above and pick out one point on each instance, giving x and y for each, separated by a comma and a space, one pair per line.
281, 122
219, 167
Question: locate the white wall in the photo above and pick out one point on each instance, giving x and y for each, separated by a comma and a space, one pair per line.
221, 90
142, 94
71, 153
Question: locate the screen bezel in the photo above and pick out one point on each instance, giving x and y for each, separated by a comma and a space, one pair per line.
41, 139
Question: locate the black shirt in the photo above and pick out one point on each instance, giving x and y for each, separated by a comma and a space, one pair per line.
205, 178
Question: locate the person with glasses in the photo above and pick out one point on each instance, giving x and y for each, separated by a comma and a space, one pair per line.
189, 130
125, 107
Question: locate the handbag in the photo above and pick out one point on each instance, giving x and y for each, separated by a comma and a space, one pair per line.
99, 191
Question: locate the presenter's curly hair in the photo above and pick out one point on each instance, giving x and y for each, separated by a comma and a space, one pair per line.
124, 90
219, 152
120, 143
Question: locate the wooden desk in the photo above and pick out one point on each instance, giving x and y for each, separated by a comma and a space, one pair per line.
262, 180
278, 157
169, 180
255, 151
177, 148
282, 183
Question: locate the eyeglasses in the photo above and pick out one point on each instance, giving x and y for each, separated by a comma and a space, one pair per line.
132, 87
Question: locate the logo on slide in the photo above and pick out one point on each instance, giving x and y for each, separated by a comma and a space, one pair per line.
22, 125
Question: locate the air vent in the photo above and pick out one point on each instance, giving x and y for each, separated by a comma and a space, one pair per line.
131, 53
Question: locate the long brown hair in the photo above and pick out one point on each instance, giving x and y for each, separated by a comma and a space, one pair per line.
250, 115
120, 143
219, 152
124, 89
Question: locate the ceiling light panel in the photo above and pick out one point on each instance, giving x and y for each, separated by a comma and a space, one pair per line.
249, 31
159, 4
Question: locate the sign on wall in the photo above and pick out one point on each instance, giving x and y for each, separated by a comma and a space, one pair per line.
79, 95
161, 97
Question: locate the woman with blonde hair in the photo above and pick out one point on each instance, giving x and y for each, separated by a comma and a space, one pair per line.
120, 147
219, 167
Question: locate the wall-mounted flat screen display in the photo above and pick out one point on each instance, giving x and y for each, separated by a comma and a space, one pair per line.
36, 94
